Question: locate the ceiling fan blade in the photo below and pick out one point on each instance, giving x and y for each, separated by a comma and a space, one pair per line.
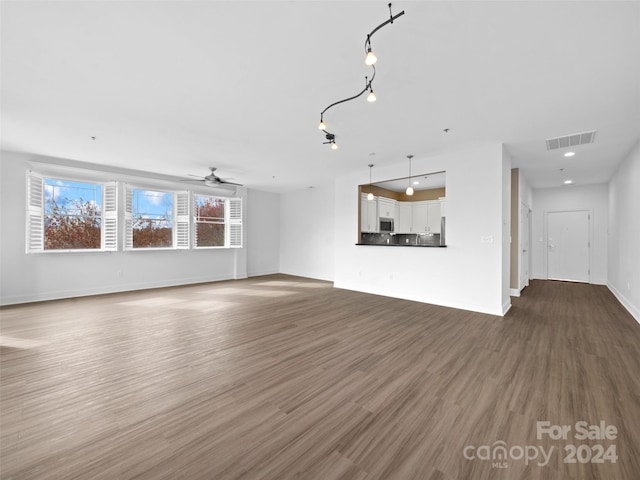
231, 183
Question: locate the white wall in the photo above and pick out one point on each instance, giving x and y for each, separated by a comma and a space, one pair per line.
262, 233
525, 191
624, 233
307, 232
467, 273
30, 277
594, 198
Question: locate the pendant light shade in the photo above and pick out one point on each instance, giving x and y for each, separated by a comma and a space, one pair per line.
322, 125
371, 97
409, 190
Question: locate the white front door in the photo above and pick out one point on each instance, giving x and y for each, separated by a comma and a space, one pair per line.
525, 216
568, 246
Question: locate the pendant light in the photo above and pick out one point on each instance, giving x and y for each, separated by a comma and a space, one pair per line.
409, 190
370, 195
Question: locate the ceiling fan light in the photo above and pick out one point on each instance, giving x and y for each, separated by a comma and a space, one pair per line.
370, 59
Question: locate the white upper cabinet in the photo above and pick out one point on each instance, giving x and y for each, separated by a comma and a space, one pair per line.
368, 215
387, 208
404, 217
419, 217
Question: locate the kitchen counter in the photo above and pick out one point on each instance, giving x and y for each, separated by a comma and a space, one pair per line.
398, 245
402, 239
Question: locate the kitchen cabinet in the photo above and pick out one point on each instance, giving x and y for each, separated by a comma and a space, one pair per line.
434, 211
404, 217
419, 217
368, 215
387, 208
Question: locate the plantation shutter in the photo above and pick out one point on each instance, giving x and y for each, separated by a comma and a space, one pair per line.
110, 217
182, 220
128, 219
35, 213
235, 222
194, 205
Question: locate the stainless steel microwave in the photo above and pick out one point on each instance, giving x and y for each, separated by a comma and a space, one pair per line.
386, 225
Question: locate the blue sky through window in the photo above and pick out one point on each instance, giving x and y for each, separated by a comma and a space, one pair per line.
152, 205
69, 195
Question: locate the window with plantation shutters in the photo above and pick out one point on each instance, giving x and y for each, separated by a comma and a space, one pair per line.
70, 215
217, 222
156, 219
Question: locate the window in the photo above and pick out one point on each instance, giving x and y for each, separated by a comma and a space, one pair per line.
218, 221
156, 219
209, 220
67, 215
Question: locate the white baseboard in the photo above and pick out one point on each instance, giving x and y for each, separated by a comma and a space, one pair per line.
514, 292
631, 308
506, 306
103, 290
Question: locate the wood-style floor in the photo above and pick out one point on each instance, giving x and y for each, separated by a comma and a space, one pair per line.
287, 378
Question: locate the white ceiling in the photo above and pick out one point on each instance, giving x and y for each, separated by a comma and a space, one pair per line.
176, 87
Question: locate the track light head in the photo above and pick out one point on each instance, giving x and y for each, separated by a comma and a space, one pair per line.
371, 58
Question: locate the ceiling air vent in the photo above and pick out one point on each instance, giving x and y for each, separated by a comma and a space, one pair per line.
571, 140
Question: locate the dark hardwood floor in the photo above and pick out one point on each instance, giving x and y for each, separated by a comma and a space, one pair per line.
281, 377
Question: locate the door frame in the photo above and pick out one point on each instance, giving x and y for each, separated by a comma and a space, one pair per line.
520, 246
546, 238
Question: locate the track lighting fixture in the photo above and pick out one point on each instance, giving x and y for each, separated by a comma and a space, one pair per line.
409, 190
370, 60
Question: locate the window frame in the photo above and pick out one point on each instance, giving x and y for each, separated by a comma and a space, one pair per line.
233, 232
180, 225
35, 214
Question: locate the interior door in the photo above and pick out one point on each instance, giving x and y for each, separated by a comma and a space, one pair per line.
525, 236
568, 246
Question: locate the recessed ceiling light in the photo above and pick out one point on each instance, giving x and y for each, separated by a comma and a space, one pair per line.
416, 182
568, 182
569, 154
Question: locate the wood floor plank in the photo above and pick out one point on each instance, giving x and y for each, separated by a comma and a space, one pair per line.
281, 377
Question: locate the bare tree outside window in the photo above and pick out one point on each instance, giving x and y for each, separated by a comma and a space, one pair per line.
72, 215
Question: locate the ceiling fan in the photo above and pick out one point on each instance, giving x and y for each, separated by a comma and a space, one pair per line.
212, 180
